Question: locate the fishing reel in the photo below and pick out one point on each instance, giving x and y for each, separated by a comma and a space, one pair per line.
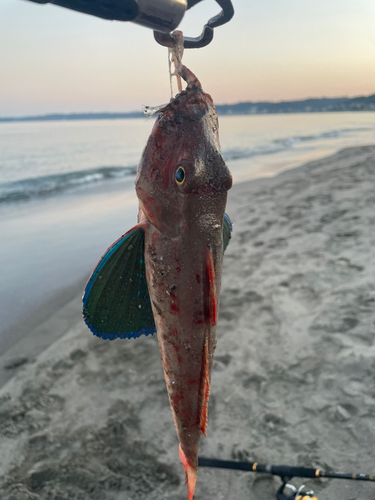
285, 473
163, 16
294, 494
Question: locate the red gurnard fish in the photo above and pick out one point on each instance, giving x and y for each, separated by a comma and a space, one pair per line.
166, 271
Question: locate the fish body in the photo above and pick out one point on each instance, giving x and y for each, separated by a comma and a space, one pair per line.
184, 251
182, 183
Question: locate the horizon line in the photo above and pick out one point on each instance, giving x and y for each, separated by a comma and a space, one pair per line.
135, 114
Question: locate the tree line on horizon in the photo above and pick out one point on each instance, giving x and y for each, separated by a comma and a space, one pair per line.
322, 105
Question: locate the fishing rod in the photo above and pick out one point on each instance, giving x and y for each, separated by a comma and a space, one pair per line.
286, 473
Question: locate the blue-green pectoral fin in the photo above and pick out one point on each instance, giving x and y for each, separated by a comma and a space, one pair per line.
116, 302
227, 231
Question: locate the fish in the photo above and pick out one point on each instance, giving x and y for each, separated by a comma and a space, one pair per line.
164, 274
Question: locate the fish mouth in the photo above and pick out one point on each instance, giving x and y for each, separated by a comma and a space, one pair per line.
190, 105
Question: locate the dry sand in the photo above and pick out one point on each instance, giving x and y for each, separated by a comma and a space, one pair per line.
293, 379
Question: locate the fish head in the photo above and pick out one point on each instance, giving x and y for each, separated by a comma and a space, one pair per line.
182, 173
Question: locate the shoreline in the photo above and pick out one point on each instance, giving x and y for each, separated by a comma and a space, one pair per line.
51, 245
292, 376
27, 329
327, 105
44, 242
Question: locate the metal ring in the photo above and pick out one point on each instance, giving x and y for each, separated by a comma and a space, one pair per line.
208, 31
189, 43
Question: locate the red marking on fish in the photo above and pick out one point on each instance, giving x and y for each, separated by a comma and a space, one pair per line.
174, 345
206, 379
174, 308
183, 253
212, 289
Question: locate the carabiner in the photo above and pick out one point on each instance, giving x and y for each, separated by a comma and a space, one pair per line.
208, 31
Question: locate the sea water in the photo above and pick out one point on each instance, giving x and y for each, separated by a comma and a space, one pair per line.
67, 189
39, 159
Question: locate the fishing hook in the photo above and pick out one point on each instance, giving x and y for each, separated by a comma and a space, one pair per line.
207, 34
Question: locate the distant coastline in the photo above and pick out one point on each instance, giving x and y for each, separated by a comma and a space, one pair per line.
323, 105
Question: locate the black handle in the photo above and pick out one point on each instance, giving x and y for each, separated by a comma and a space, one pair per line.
115, 10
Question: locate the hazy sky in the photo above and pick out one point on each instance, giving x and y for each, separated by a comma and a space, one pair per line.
55, 60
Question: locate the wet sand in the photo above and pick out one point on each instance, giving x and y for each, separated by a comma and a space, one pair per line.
50, 243
293, 377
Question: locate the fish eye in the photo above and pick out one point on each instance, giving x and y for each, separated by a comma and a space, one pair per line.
180, 176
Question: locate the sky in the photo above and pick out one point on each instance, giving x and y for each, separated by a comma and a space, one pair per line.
55, 60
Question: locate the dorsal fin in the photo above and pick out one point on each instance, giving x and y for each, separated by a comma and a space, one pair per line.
206, 387
210, 269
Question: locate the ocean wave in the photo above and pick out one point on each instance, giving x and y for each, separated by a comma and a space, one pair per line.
48, 185
285, 143
241, 153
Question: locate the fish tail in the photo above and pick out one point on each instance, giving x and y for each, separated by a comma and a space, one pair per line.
191, 474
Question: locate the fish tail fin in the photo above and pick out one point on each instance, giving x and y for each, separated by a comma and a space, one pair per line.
191, 474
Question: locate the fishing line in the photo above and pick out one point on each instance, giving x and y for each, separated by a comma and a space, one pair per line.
175, 53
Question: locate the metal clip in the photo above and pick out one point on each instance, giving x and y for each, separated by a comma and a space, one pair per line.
208, 31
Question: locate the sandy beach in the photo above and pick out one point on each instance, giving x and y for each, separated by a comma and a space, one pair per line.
293, 377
